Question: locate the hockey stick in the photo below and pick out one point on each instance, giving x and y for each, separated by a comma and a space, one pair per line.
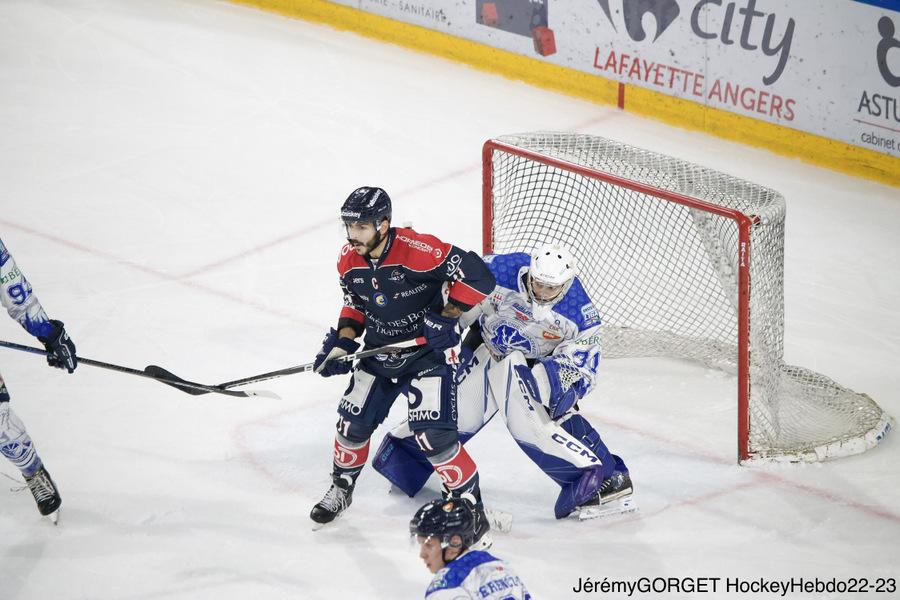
151, 372
419, 341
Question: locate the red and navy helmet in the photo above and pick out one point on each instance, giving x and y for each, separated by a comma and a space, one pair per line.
370, 204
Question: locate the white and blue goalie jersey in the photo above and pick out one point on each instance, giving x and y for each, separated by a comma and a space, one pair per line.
568, 332
18, 298
476, 574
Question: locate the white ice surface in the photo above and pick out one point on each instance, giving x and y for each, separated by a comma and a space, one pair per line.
170, 173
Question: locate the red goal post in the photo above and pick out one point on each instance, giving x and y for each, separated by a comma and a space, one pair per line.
681, 261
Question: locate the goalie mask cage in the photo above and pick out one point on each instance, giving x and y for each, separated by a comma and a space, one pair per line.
681, 261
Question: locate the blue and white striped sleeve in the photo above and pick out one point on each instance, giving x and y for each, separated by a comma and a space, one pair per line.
18, 298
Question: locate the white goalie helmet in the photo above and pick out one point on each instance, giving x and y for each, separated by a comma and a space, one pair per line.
550, 273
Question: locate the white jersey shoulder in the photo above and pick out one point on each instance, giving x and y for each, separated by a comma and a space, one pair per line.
476, 574
18, 298
508, 322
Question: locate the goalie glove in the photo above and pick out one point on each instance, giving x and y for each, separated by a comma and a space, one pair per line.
560, 385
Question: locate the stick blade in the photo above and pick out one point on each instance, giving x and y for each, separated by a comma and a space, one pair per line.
162, 375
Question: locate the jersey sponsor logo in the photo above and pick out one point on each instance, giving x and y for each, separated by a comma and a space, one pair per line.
453, 265
522, 312
576, 448
358, 280
593, 340
418, 245
397, 276
549, 335
437, 252
411, 292
348, 406
589, 312
14, 274
423, 414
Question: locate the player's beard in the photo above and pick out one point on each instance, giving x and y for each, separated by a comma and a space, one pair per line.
369, 246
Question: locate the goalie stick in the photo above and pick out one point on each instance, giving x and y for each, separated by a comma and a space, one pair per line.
152, 372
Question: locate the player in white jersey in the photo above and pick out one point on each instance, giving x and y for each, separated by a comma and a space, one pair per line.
19, 300
536, 353
445, 530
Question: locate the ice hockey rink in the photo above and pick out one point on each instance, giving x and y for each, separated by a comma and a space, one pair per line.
170, 178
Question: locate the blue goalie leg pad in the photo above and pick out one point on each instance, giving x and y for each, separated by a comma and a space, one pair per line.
579, 492
402, 462
579, 427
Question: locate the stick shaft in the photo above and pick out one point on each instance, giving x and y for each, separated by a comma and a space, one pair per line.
419, 341
180, 384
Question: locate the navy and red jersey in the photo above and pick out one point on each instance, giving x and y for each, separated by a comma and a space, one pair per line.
388, 298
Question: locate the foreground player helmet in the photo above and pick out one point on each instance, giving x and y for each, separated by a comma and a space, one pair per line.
444, 519
552, 266
366, 204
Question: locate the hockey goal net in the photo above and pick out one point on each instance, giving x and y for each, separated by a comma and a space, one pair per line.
681, 261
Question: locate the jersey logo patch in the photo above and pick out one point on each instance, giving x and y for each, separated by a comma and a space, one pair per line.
380, 299
590, 315
507, 338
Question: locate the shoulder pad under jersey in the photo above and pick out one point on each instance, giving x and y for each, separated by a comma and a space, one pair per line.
506, 267
417, 251
576, 306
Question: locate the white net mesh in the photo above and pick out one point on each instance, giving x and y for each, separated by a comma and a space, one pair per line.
665, 276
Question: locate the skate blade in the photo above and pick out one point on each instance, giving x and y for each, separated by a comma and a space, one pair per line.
622, 507
53, 517
499, 520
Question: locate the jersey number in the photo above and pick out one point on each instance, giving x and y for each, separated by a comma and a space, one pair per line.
582, 358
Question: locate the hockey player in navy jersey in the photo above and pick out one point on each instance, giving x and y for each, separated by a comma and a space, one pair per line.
536, 353
17, 297
395, 281
445, 531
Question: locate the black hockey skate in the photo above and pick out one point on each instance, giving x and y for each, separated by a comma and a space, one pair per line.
616, 486
45, 494
613, 498
338, 497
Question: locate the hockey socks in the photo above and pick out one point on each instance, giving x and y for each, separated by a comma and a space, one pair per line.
349, 457
458, 472
15, 443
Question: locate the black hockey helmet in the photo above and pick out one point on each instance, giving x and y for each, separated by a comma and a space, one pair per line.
370, 204
443, 519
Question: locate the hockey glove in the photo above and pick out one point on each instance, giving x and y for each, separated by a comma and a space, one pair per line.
60, 348
334, 346
441, 333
